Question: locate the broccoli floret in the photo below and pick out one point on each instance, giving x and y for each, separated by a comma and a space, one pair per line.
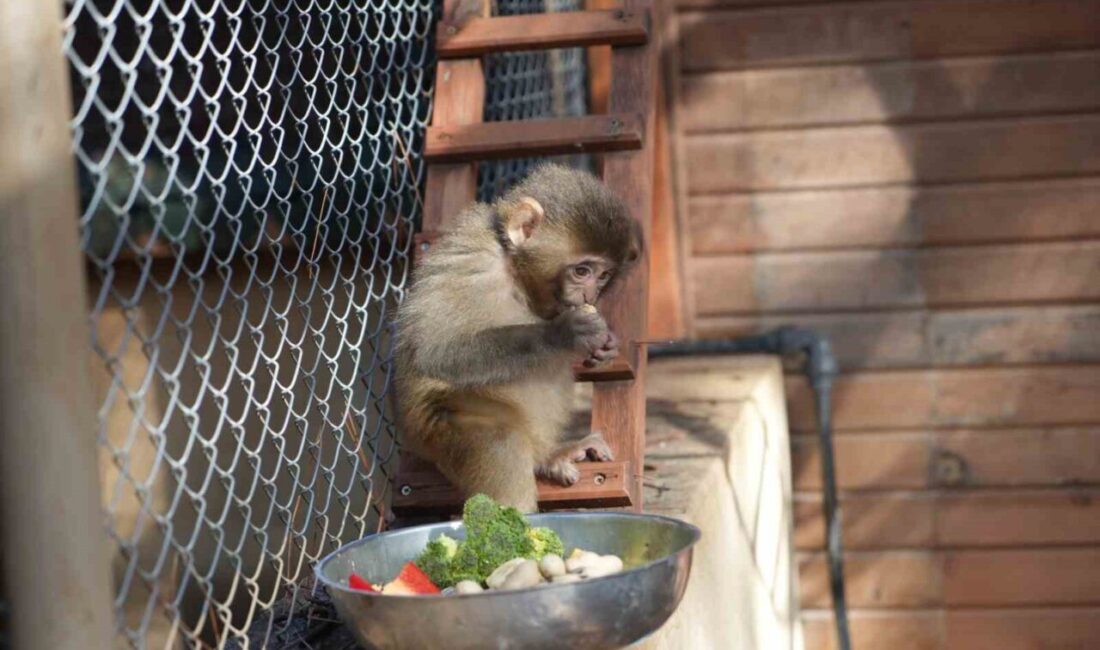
464, 565
544, 542
494, 535
436, 559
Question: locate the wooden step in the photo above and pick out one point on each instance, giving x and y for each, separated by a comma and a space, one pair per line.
618, 369
422, 490
478, 36
531, 138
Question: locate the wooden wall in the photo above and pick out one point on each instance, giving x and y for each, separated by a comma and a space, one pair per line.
920, 180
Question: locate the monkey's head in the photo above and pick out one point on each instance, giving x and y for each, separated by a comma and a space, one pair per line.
568, 237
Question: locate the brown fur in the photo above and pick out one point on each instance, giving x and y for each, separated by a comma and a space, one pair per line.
486, 338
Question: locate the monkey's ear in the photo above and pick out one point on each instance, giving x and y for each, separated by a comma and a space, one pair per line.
523, 218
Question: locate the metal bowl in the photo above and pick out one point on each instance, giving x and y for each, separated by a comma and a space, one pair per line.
598, 614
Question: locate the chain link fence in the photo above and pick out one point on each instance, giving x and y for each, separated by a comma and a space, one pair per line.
249, 174
525, 85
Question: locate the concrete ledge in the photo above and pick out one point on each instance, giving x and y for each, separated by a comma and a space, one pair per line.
718, 456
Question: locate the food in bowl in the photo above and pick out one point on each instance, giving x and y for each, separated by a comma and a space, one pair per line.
501, 551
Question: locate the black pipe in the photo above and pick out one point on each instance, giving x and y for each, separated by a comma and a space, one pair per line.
821, 369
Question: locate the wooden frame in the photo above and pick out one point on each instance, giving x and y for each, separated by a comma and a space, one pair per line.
479, 36
56, 564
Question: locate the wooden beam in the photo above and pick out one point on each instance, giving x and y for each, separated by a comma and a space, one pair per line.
56, 566
459, 100
545, 31
423, 490
618, 408
532, 138
666, 316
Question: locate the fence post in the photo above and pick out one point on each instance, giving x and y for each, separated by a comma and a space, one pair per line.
55, 561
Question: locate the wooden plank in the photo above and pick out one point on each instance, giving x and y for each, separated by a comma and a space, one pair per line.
616, 370
958, 578
914, 630
666, 309
870, 521
1023, 629
887, 579
533, 138
1004, 518
1022, 577
423, 490
895, 216
940, 339
459, 99
545, 31
972, 629
873, 155
865, 461
599, 66
57, 587
618, 409
987, 397
719, 4
891, 92
1020, 457
894, 279
869, 31
1038, 457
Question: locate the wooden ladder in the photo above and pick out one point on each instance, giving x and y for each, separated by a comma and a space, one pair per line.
458, 138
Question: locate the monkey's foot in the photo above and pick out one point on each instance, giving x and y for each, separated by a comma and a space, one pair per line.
590, 447
559, 470
562, 468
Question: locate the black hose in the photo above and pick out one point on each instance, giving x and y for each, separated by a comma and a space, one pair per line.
821, 369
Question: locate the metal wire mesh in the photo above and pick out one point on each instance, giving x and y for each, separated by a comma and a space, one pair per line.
249, 174
525, 85
246, 189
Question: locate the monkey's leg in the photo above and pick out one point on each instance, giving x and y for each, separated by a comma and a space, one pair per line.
561, 466
501, 466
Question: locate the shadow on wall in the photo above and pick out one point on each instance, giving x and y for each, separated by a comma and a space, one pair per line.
891, 164
231, 407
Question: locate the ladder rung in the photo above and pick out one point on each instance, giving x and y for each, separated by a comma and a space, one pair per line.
541, 32
618, 369
602, 485
532, 138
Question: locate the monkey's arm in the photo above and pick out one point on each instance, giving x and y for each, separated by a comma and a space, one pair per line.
494, 355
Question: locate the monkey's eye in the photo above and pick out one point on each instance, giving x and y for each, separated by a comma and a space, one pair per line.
582, 271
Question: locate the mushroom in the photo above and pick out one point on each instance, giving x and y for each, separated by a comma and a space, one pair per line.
526, 574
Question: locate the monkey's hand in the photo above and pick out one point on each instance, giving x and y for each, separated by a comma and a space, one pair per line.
608, 351
582, 330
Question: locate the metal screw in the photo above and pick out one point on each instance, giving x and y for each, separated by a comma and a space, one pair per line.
424, 246
452, 30
599, 479
406, 490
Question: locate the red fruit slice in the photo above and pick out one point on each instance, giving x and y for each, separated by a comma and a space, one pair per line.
411, 580
355, 581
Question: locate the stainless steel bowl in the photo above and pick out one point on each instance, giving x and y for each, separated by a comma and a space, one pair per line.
598, 614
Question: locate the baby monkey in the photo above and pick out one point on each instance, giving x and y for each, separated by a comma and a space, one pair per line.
492, 323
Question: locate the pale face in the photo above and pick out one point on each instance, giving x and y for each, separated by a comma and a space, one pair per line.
584, 279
